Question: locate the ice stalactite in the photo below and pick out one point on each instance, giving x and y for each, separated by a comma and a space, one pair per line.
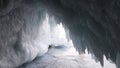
118, 60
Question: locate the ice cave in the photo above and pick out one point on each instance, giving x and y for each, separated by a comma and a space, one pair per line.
59, 34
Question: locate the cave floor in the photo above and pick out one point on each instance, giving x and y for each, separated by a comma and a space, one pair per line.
65, 57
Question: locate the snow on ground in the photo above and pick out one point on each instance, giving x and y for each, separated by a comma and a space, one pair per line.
66, 57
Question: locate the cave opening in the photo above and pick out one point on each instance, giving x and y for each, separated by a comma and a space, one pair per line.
61, 50
58, 36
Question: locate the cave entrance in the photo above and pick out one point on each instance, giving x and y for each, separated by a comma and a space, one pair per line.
58, 36
61, 51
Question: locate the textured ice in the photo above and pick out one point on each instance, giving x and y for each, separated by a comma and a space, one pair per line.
66, 57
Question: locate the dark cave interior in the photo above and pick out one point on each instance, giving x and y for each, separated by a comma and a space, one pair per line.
92, 24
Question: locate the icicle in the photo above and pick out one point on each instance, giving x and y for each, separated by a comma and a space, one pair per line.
118, 60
